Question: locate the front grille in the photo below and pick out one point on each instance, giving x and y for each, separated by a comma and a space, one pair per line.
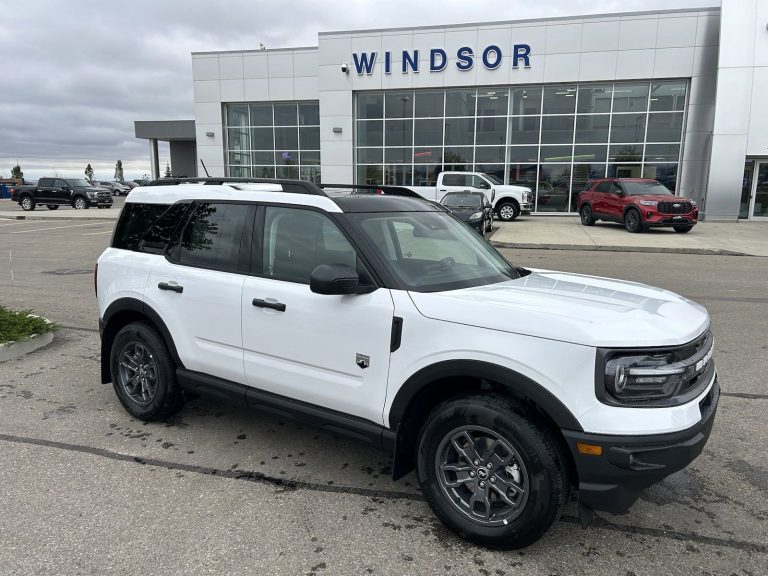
675, 207
690, 349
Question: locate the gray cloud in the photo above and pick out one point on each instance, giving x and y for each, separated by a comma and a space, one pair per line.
77, 74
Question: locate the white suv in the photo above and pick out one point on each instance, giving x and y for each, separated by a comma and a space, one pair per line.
389, 319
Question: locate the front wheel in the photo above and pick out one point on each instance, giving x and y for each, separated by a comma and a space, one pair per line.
490, 472
80, 203
683, 229
587, 219
27, 204
632, 221
508, 211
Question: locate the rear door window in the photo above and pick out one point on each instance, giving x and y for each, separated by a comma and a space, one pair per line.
212, 237
45, 182
604, 187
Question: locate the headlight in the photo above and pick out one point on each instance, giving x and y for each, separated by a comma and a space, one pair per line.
476, 216
644, 377
693, 203
649, 202
91, 194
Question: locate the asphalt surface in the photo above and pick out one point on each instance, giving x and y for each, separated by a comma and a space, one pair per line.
85, 489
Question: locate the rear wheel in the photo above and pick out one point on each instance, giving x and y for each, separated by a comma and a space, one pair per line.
508, 210
80, 203
27, 204
490, 472
633, 221
587, 219
52, 206
683, 229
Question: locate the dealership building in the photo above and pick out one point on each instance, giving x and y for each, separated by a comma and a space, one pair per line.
673, 95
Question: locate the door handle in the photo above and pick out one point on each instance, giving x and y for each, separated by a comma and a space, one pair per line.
171, 287
259, 303
442, 189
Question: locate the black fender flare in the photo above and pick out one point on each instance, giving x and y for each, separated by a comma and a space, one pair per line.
118, 307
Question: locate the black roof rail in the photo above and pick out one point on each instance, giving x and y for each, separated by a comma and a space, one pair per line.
383, 189
288, 185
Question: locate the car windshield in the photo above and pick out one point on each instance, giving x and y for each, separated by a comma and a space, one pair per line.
431, 251
493, 179
77, 182
463, 200
635, 188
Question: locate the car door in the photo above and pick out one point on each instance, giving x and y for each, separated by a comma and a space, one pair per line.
597, 197
61, 193
197, 287
45, 188
328, 350
614, 201
452, 183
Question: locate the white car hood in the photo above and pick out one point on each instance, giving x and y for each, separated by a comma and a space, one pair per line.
573, 308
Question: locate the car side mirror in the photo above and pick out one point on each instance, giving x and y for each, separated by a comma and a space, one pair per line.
338, 279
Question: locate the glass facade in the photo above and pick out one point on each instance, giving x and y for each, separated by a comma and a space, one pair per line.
552, 138
273, 140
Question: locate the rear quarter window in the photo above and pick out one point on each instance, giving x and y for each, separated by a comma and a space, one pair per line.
135, 219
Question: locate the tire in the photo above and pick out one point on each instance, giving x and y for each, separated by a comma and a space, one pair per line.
27, 203
633, 221
52, 206
138, 351
508, 210
80, 203
525, 456
489, 227
587, 219
683, 229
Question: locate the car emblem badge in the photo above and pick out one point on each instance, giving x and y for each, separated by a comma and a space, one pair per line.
676, 205
363, 361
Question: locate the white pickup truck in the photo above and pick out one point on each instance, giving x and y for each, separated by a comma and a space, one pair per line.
508, 201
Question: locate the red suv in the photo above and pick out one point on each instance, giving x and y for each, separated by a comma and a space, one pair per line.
638, 203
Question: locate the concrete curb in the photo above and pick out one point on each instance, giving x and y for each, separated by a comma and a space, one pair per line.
17, 349
594, 248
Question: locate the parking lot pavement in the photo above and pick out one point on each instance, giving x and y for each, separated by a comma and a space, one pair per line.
220, 489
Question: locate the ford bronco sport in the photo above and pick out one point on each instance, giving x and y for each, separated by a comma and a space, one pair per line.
388, 318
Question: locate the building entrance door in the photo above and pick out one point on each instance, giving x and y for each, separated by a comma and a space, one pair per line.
758, 202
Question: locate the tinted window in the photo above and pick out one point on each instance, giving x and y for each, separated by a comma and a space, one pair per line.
458, 200
454, 180
158, 235
298, 241
603, 187
135, 219
211, 239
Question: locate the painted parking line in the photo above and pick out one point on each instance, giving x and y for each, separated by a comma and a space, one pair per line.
58, 228
95, 233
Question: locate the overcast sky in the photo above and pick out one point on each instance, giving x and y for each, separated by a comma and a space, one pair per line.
77, 73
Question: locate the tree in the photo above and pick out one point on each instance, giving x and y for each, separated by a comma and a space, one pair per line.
119, 171
89, 173
167, 170
16, 172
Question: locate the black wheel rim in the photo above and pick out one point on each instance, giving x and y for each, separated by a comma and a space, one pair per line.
138, 372
586, 214
482, 475
632, 219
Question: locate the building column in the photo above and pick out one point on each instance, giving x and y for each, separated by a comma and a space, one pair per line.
154, 160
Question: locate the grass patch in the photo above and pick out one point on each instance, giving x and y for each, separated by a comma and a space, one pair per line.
15, 326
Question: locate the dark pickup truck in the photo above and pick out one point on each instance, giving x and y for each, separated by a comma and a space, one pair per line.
55, 192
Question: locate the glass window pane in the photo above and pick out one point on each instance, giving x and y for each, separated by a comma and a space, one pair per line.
523, 154
311, 173
590, 153
428, 132
370, 133
491, 131
523, 174
311, 157
591, 129
309, 138
291, 172
263, 171
459, 131
458, 167
526, 101
624, 171
492, 101
628, 128
398, 104
630, 97
524, 129
662, 153
370, 105
492, 169
460, 102
261, 114
239, 159
490, 154
399, 133
370, 155
398, 155
559, 99
430, 104
557, 130
240, 171
458, 155
668, 96
309, 114
285, 115
398, 174
626, 153
237, 115
594, 98
237, 139
554, 186
583, 173
370, 175
556, 153
665, 127
664, 173
212, 237
426, 174
262, 139
428, 155
262, 158
287, 157
286, 138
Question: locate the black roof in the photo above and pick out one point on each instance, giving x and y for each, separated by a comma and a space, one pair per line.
384, 203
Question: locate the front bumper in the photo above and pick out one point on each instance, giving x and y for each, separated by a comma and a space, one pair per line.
525, 208
614, 480
651, 218
100, 201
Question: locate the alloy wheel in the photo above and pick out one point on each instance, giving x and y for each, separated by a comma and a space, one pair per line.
138, 372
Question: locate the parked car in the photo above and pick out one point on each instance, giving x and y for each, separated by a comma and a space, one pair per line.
384, 317
130, 184
472, 208
638, 203
55, 192
508, 201
117, 188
